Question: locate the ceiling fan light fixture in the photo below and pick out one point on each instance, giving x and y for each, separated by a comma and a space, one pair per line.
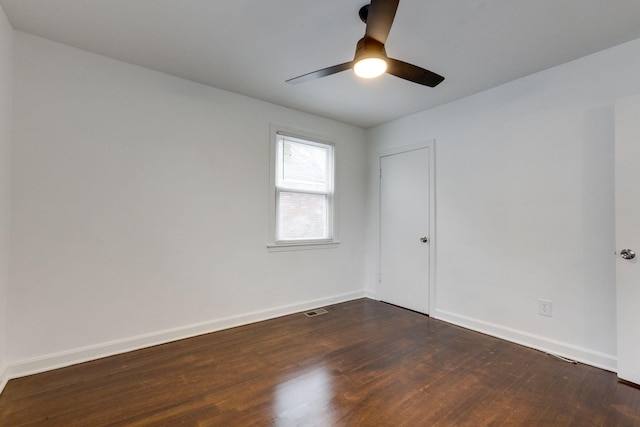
371, 59
369, 68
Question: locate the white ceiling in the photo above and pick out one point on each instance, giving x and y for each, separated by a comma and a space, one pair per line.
252, 46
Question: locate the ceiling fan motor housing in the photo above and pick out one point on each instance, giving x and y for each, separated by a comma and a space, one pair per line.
368, 47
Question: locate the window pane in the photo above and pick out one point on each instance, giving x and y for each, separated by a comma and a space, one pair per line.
302, 216
304, 166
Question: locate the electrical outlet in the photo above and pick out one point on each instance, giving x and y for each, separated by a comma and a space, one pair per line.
544, 307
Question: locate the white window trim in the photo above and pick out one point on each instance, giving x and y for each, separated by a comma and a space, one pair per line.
272, 244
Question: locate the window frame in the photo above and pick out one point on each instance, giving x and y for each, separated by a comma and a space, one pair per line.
332, 210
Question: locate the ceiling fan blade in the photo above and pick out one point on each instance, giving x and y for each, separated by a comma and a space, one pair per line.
413, 73
321, 73
379, 19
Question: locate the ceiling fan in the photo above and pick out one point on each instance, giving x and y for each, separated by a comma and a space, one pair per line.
371, 59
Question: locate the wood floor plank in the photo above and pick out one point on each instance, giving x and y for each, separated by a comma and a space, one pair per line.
365, 363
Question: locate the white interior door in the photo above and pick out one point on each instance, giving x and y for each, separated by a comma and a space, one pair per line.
405, 224
627, 182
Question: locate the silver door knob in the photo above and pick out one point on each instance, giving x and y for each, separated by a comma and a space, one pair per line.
424, 239
627, 254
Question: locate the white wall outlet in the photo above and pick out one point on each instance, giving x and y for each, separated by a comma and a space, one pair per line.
544, 307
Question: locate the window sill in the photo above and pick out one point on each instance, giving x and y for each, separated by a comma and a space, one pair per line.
301, 246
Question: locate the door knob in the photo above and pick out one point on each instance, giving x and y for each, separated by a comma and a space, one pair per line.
424, 239
627, 254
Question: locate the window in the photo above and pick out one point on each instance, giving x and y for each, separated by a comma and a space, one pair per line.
302, 191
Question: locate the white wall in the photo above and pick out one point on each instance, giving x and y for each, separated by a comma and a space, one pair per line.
6, 85
524, 210
141, 205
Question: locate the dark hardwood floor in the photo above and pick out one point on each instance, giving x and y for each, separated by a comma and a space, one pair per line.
365, 363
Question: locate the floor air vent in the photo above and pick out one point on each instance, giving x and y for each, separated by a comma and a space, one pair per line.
314, 313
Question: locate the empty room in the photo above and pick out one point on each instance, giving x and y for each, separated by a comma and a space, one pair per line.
336, 213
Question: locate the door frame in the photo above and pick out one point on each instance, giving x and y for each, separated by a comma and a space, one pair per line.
431, 146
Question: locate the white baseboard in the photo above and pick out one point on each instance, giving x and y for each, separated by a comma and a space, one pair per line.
85, 354
4, 378
569, 351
